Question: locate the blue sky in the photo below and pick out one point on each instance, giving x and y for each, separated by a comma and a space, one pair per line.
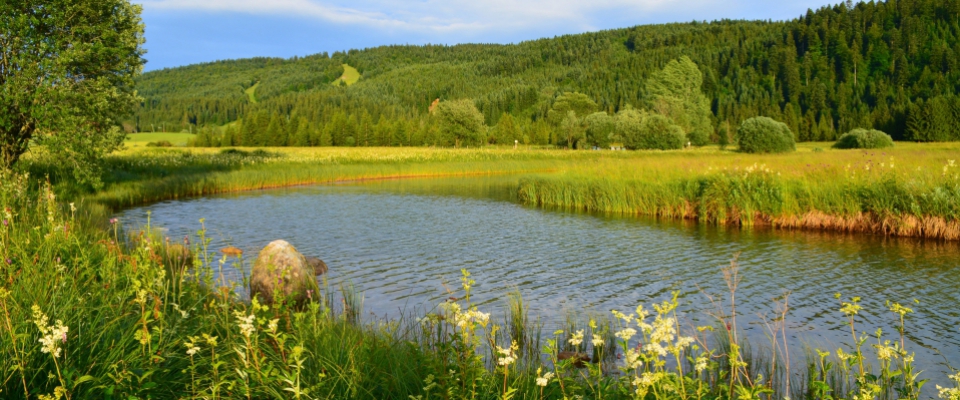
181, 32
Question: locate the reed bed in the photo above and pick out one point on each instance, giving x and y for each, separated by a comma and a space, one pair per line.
139, 176
912, 192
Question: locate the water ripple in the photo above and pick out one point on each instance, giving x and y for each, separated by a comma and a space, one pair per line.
403, 245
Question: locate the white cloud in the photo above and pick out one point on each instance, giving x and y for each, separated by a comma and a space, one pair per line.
439, 16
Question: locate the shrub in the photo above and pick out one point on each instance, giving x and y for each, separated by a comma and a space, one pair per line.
652, 132
864, 139
162, 143
660, 133
764, 135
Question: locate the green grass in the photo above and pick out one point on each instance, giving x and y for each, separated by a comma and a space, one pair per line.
136, 140
134, 307
350, 76
252, 92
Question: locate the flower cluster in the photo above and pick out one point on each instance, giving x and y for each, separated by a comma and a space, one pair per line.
507, 355
463, 320
53, 335
245, 323
577, 338
950, 393
886, 352
192, 346
543, 380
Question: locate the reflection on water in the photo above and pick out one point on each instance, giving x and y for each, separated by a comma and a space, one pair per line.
403, 242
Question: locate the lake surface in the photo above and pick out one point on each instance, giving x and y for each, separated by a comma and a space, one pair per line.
402, 242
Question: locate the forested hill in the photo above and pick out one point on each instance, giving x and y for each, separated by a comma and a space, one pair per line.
892, 65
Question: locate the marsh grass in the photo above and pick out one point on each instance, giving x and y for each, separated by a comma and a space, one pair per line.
910, 192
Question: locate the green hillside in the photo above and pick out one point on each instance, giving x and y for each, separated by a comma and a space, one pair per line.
893, 66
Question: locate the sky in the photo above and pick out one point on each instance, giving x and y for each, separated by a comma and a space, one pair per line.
183, 32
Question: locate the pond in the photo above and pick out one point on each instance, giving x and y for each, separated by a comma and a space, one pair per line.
402, 243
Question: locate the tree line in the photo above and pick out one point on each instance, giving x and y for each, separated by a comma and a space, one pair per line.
891, 65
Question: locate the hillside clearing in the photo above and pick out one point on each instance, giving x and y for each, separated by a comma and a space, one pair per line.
350, 76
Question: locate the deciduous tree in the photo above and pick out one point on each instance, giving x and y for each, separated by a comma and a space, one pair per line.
67, 70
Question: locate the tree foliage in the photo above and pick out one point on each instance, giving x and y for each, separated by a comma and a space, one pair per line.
600, 130
674, 92
461, 123
765, 135
649, 131
67, 70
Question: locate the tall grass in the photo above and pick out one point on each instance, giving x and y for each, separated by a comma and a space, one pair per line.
140, 176
911, 192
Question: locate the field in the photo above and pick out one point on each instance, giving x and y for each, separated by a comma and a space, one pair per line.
137, 140
90, 311
350, 76
252, 92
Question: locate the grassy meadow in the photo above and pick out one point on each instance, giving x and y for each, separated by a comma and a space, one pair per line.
349, 77
139, 140
252, 92
88, 310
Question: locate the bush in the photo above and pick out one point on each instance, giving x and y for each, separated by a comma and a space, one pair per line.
764, 135
660, 133
642, 131
162, 143
864, 139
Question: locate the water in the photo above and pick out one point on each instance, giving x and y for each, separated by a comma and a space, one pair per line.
403, 243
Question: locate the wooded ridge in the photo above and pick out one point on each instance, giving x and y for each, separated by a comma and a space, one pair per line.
891, 65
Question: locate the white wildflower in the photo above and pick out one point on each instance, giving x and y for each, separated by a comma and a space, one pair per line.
52, 335
701, 363
632, 358
885, 352
577, 338
245, 322
507, 355
684, 341
272, 326
626, 334
625, 317
656, 348
597, 340
542, 381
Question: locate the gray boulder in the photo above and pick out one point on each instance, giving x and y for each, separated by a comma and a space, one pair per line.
281, 269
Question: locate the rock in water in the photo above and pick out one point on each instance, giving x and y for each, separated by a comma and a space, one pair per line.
281, 269
232, 251
319, 267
